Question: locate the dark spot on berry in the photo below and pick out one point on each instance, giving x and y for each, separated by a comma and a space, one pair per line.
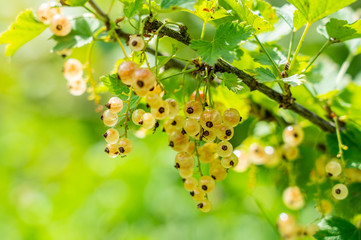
116, 153
171, 144
231, 163
209, 124
338, 191
101, 117
134, 43
59, 27
200, 205
163, 130
190, 110
107, 105
204, 187
156, 125
284, 157
161, 110
224, 148
191, 193
140, 83
152, 89
183, 132
206, 133
147, 105
140, 122
213, 177
106, 150
228, 132
240, 119
121, 150
177, 165
295, 135
174, 122
330, 174
256, 150
105, 135
206, 104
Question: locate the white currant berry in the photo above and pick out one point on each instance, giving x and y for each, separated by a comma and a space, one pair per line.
289, 152
46, 12
136, 43
178, 141
287, 226
197, 194
77, 88
112, 150
193, 109
144, 80
111, 136
173, 107
231, 117
190, 183
137, 116
115, 104
340, 191
125, 146
184, 160
126, 72
186, 172
224, 149
148, 121
192, 126
153, 100
224, 132
210, 120
257, 154
60, 25
293, 135
229, 162
160, 112
73, 69
333, 168
205, 205
243, 161
217, 171
206, 184
292, 198
207, 153
109, 118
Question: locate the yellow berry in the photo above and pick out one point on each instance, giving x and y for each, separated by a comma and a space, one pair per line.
160, 112
340, 191
207, 153
125, 146
205, 205
178, 141
229, 162
112, 150
111, 136
217, 171
148, 121
46, 12
210, 119
208, 135
293, 135
224, 149
115, 104
137, 116
207, 184
73, 69
224, 132
153, 100
193, 109
186, 172
184, 160
77, 87
197, 194
173, 107
144, 81
192, 127
257, 154
190, 183
231, 117
333, 168
292, 198
126, 72
109, 118
289, 152
136, 43
60, 25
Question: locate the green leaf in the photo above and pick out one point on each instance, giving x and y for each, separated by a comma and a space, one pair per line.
171, 3
246, 15
115, 86
285, 13
337, 229
294, 80
22, 31
313, 10
264, 75
232, 82
81, 34
298, 20
226, 40
132, 7
208, 10
76, 2
340, 30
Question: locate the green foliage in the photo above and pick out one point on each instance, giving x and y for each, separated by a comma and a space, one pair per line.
294, 80
115, 86
81, 34
76, 3
337, 229
232, 82
226, 40
312, 11
264, 74
208, 10
132, 7
171, 3
22, 31
340, 30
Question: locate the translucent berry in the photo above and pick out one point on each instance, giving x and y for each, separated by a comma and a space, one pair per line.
207, 153
160, 112
192, 126
231, 117
112, 150
184, 160
109, 118
210, 119
272, 156
229, 162
77, 88
126, 72
173, 107
125, 146
191, 148
60, 25
289, 152
206, 184
144, 81
173, 124
224, 133
197, 194
153, 100
292, 198
199, 95
190, 183
217, 171
46, 12
73, 69
193, 109
148, 121
111, 136
205, 205
224, 149
293, 135
115, 104
208, 135
287, 226
157, 90
185, 172
136, 43
243, 161
178, 141
137, 116
340, 191
257, 154
333, 168
64, 52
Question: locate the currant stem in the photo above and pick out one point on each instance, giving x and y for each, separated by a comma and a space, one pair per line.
308, 25
268, 55
198, 162
290, 46
343, 69
328, 43
203, 30
179, 73
340, 146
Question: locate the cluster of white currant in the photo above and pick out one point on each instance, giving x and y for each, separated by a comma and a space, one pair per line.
73, 72
51, 14
290, 230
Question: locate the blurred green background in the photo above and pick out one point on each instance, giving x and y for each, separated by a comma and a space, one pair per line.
56, 182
